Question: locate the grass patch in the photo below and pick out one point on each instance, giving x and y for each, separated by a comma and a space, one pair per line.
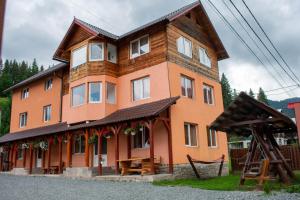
231, 183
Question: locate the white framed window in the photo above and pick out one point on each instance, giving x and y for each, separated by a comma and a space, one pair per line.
208, 94
141, 88
141, 138
47, 113
48, 84
25, 93
111, 53
204, 58
211, 137
184, 46
96, 52
139, 46
190, 133
95, 92
110, 93
187, 89
23, 120
79, 144
78, 95
79, 56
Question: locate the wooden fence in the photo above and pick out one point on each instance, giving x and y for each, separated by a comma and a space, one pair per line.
291, 153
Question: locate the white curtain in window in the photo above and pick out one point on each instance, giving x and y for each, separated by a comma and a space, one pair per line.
79, 56
78, 94
111, 93
112, 53
96, 51
144, 45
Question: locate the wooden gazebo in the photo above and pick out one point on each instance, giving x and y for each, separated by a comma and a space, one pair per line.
246, 116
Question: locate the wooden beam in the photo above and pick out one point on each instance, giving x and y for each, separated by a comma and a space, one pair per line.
60, 167
69, 150
170, 145
128, 146
30, 157
86, 149
50, 140
151, 138
256, 121
117, 153
16, 155
24, 158
99, 133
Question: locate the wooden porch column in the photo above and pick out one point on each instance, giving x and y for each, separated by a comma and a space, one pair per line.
99, 133
30, 158
116, 130
43, 158
151, 138
24, 158
167, 124
86, 150
69, 150
59, 138
1, 162
50, 140
128, 146
16, 155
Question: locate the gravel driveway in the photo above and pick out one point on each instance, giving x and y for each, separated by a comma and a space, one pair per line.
42, 188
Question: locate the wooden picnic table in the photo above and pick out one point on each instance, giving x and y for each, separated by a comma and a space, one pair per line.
142, 166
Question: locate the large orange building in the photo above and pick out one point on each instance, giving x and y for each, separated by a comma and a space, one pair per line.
150, 93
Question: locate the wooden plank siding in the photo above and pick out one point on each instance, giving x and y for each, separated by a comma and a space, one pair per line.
183, 27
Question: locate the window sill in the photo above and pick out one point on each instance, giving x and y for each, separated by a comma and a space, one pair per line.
189, 146
95, 102
96, 60
137, 100
193, 98
213, 147
77, 106
185, 56
132, 58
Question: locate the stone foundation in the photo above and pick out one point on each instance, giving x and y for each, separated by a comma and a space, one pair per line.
78, 172
205, 171
19, 171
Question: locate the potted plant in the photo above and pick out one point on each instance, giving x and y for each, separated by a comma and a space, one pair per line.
43, 145
130, 130
25, 146
92, 139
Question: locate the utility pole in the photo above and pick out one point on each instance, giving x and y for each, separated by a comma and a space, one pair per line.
2, 14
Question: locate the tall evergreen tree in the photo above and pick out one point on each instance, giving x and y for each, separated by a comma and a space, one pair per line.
34, 67
261, 96
42, 68
251, 93
226, 91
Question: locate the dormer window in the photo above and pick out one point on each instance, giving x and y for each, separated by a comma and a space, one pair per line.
204, 58
25, 93
139, 47
79, 56
48, 84
96, 52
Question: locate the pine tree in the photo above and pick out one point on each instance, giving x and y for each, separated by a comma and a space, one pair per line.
226, 91
42, 68
261, 96
34, 67
251, 93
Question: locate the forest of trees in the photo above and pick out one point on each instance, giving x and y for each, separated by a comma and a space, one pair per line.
12, 73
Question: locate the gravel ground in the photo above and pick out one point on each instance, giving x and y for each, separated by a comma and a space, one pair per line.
42, 188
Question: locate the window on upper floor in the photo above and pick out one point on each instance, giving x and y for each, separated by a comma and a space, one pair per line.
23, 120
184, 46
95, 92
110, 93
79, 144
48, 84
25, 93
79, 56
204, 58
141, 88
19, 153
139, 46
96, 52
141, 138
78, 95
47, 113
111, 53
187, 89
190, 134
211, 137
208, 94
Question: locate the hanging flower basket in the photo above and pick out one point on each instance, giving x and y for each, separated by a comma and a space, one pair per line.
92, 139
108, 134
130, 130
43, 145
25, 146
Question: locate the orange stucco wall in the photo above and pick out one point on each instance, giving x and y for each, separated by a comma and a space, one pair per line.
197, 112
33, 105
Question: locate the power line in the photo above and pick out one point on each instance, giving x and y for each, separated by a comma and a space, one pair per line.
253, 40
284, 92
281, 88
240, 38
262, 41
270, 41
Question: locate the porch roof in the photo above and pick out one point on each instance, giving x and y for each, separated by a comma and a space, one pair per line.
133, 113
245, 112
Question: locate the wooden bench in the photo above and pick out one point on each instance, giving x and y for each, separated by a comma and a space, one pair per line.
139, 165
259, 173
54, 168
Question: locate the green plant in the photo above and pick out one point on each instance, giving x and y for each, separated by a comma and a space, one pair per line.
293, 189
267, 188
92, 139
129, 130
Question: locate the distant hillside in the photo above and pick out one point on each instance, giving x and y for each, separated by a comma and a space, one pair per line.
283, 106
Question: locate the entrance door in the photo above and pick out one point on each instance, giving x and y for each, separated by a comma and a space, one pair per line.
104, 153
38, 158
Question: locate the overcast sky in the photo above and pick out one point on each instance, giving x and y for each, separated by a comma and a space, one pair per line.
34, 29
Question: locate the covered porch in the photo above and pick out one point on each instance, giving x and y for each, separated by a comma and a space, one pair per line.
97, 146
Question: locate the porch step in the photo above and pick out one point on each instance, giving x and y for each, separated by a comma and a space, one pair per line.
105, 171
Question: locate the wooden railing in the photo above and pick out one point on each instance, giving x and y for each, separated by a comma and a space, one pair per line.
291, 153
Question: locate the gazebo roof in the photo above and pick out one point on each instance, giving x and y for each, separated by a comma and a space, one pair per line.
246, 111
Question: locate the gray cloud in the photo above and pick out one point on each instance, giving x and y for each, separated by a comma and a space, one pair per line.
34, 29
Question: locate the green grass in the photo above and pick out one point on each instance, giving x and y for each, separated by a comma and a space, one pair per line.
229, 183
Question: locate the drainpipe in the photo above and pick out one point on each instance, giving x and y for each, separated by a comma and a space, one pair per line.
61, 94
